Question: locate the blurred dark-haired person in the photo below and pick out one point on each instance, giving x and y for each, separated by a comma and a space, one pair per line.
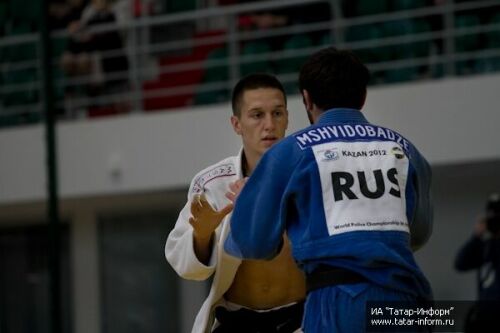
353, 198
88, 53
482, 253
246, 296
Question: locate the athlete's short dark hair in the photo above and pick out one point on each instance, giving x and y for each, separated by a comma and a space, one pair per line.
250, 82
335, 79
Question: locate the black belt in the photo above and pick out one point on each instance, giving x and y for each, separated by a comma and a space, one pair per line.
283, 320
324, 276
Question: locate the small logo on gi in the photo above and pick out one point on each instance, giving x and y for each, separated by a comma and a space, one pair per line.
398, 152
330, 155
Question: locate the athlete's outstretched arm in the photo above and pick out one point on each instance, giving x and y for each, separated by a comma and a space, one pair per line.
191, 246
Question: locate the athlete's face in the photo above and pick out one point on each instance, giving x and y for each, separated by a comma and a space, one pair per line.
263, 120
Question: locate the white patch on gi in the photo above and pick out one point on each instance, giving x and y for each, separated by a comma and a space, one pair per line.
363, 185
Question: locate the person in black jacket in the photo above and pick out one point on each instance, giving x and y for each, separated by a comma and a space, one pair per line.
78, 59
482, 253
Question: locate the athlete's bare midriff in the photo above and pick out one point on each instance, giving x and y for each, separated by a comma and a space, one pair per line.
262, 284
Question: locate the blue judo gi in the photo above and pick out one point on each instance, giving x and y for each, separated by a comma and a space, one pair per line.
351, 195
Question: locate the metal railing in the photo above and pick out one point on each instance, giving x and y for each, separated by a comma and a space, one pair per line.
179, 61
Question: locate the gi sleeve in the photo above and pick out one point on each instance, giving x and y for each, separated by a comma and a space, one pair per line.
259, 216
179, 248
421, 225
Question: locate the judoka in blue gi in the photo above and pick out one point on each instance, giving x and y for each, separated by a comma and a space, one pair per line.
352, 196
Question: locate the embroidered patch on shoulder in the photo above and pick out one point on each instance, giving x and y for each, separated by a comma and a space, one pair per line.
223, 170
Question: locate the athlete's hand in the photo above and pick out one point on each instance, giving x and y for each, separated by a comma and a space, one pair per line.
205, 219
235, 189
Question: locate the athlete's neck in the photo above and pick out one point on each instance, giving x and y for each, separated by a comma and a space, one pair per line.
247, 164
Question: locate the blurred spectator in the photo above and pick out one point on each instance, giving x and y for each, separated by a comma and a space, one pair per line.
100, 56
63, 12
287, 16
482, 253
439, 2
227, 2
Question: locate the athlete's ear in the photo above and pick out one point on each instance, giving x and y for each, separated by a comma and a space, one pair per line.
306, 99
235, 121
364, 100
286, 114
308, 104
